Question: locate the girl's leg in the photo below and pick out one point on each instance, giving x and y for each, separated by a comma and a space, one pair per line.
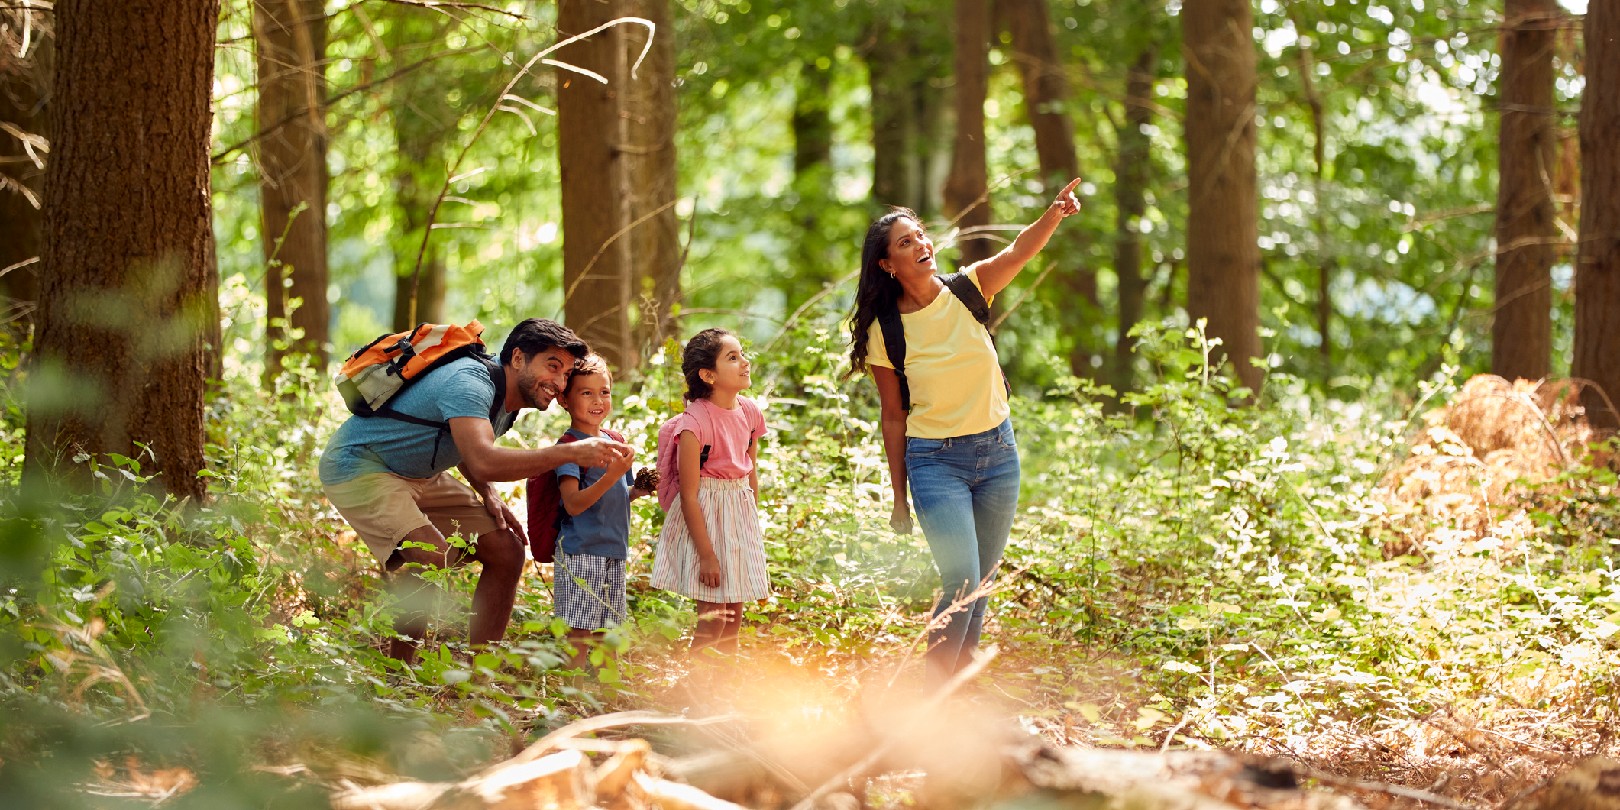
711, 625
995, 502
733, 627
938, 472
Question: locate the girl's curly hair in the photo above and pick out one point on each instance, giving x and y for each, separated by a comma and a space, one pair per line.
702, 352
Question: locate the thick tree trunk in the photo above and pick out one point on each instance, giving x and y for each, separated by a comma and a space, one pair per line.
813, 188
24, 143
655, 244
421, 118
120, 354
1131, 166
290, 38
1597, 264
1521, 329
967, 195
1046, 94
905, 76
1223, 248
590, 136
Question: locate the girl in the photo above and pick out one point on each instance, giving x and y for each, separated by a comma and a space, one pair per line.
594, 535
947, 429
711, 548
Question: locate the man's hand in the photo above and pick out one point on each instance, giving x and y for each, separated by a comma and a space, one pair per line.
601, 451
497, 509
900, 518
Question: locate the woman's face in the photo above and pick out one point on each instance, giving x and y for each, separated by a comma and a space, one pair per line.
911, 252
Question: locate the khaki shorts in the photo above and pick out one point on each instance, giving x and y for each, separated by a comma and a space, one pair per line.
383, 508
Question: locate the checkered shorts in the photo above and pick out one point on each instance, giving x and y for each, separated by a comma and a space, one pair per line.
589, 591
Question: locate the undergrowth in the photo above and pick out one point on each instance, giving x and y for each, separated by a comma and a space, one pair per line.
1183, 572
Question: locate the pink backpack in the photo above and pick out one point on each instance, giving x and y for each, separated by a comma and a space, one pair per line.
669, 440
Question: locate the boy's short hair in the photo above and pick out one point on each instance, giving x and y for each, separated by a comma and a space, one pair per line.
589, 364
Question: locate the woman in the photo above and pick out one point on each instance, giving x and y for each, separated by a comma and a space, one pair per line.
947, 429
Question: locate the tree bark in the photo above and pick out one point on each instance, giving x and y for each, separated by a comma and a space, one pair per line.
120, 345
655, 245
590, 135
24, 81
1046, 94
1597, 264
1130, 204
1526, 229
1223, 249
967, 196
290, 39
421, 117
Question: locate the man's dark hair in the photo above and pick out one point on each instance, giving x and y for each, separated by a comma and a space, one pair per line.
536, 335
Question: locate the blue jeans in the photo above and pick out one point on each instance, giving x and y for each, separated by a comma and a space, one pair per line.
965, 491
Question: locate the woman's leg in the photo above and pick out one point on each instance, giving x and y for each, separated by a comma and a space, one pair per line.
995, 503
941, 495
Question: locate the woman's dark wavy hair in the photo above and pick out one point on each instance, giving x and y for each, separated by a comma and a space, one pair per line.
877, 292
701, 352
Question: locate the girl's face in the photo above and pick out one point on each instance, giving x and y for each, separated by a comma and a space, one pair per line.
731, 368
911, 252
589, 401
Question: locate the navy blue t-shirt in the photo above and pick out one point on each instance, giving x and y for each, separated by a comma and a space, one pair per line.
603, 530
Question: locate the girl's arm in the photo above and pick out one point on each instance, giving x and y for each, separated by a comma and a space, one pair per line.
753, 474
996, 272
689, 460
893, 420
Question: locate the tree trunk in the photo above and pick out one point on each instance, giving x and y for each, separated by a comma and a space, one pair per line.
1597, 264
290, 38
1046, 94
813, 190
590, 136
655, 244
1223, 231
24, 143
908, 112
421, 118
967, 196
1521, 329
120, 354
1131, 166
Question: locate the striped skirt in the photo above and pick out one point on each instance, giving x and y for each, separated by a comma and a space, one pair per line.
728, 508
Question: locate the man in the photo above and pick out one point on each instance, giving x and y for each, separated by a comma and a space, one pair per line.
390, 478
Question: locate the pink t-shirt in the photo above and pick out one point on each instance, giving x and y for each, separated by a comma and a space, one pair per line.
729, 434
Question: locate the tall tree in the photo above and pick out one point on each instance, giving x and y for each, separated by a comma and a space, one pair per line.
1046, 96
904, 73
422, 117
26, 51
967, 189
1597, 264
290, 38
655, 247
1521, 331
812, 176
120, 347
1223, 230
590, 151
1132, 161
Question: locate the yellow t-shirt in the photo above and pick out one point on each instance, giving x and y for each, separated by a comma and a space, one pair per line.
951, 365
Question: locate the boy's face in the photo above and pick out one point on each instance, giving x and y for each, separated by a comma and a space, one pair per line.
589, 400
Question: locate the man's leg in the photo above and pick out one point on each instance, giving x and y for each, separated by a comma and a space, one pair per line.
501, 555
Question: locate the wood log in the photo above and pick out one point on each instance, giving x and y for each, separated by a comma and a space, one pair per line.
562, 780
1593, 784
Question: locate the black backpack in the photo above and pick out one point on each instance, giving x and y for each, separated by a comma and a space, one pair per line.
894, 333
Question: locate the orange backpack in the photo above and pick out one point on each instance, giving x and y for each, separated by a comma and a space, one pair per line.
379, 370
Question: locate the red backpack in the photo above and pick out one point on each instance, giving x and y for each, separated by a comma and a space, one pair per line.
545, 506
669, 439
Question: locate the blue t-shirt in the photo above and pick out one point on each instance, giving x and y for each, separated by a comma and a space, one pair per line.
603, 530
378, 444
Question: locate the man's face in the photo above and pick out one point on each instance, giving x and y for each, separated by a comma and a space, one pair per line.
540, 377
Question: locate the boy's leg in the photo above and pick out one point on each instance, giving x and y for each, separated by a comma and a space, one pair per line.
580, 643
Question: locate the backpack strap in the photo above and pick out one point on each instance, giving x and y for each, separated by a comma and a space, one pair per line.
703, 428
968, 293
894, 342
